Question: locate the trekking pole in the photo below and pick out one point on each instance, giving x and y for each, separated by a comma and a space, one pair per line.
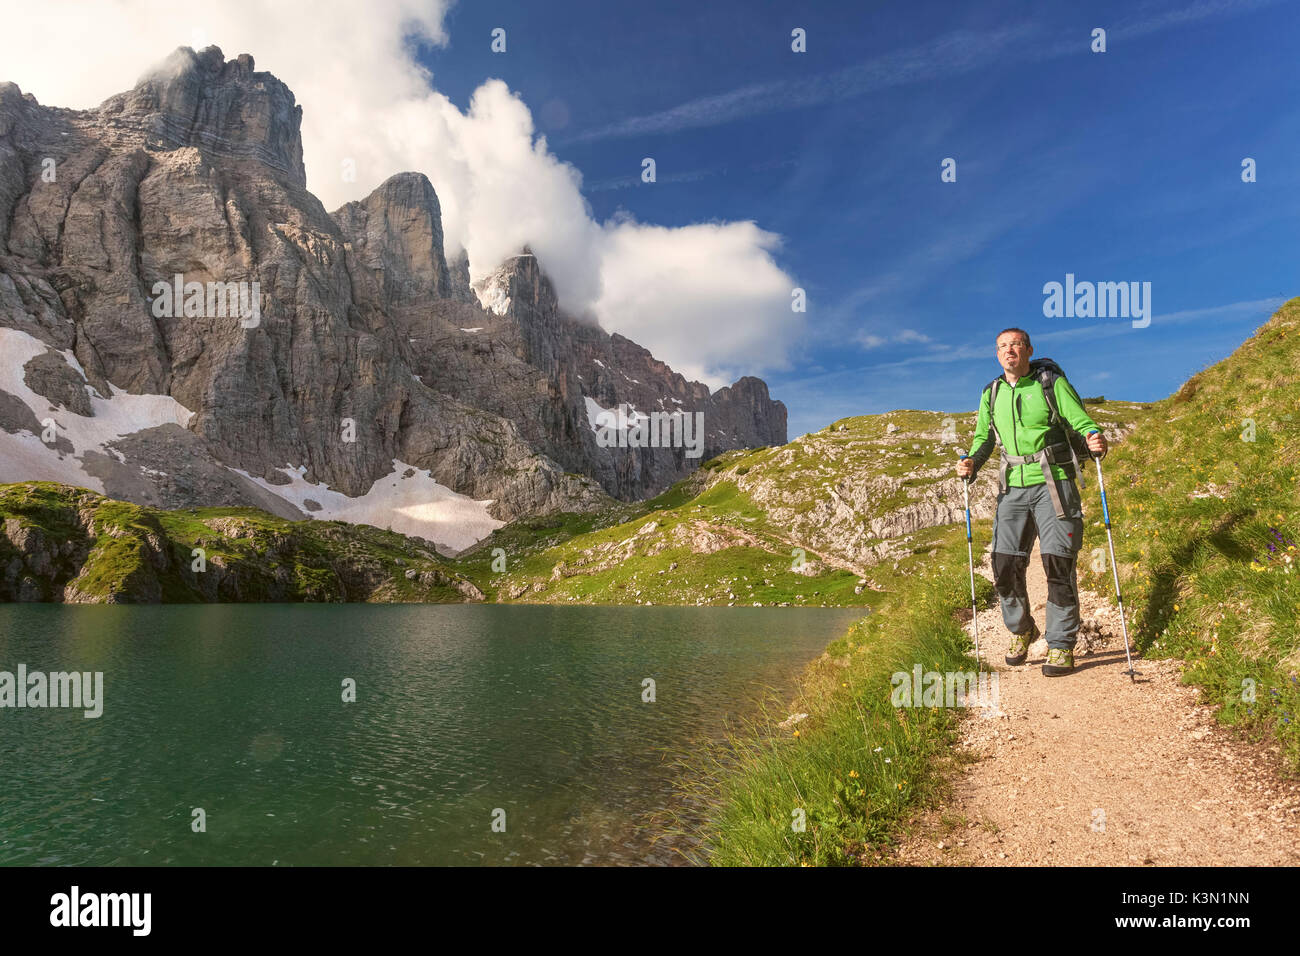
970, 558
1114, 570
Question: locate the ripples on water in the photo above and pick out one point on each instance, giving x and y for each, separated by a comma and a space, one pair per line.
460, 710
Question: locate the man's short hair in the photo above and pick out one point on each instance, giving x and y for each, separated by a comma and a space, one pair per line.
1021, 332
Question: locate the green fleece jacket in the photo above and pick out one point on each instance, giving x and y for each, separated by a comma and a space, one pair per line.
1023, 420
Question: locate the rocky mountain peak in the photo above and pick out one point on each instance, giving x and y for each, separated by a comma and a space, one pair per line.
396, 232
752, 401
519, 287
224, 107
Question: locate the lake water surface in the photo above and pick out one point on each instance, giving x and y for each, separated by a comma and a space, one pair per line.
460, 711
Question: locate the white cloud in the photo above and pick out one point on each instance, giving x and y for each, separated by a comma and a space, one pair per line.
709, 296
708, 299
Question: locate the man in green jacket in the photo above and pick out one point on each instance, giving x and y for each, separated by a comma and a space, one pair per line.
1014, 413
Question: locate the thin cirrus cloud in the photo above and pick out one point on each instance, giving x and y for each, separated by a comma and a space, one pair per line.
1148, 20
955, 53
869, 340
948, 55
632, 182
709, 299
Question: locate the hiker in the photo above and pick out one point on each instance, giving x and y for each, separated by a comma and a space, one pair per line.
1038, 422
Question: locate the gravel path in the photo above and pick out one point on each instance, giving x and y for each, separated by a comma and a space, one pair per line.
1093, 769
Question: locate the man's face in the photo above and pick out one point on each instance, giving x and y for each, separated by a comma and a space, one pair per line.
1013, 353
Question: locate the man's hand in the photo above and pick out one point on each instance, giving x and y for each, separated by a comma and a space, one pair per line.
965, 468
1097, 444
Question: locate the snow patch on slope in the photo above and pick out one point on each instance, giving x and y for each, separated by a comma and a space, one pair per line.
417, 505
494, 297
624, 417
24, 457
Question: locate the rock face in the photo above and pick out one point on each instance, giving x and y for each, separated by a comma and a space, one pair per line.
570, 362
360, 345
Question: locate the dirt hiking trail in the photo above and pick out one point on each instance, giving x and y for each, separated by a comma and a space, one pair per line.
1093, 769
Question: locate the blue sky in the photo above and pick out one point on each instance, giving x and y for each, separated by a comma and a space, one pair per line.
1115, 166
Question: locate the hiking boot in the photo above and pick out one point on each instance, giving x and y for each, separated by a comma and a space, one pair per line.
1060, 661
1019, 648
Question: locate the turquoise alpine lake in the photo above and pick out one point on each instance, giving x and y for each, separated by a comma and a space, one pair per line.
479, 734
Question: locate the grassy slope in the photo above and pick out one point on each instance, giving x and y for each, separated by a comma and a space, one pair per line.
761, 571
1195, 508
113, 550
534, 547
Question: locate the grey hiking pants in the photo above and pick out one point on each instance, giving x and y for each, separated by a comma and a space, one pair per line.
1022, 514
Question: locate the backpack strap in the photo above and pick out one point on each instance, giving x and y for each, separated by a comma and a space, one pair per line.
1051, 453
1002, 449
1047, 374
